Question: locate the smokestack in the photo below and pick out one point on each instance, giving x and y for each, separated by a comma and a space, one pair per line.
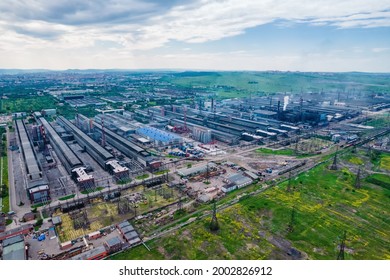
212, 103
278, 109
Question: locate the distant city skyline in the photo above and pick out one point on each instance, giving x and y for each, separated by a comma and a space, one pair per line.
299, 35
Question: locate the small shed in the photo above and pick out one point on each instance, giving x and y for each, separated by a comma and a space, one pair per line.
127, 229
56, 220
30, 216
131, 235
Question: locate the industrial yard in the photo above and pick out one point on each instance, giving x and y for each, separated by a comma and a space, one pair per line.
281, 170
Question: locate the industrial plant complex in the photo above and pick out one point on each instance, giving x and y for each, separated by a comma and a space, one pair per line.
93, 183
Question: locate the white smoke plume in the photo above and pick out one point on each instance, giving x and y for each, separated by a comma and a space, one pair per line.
286, 99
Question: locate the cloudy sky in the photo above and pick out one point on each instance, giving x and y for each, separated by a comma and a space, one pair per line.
303, 35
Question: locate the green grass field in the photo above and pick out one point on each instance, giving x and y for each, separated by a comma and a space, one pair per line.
5, 199
326, 204
385, 161
282, 152
380, 180
37, 103
143, 176
28, 104
378, 121
240, 84
67, 197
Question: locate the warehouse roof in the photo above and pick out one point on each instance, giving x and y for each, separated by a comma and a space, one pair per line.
265, 112
71, 157
134, 241
103, 153
14, 248
123, 224
196, 169
32, 166
239, 179
127, 229
131, 235
157, 134
13, 240
90, 254
128, 144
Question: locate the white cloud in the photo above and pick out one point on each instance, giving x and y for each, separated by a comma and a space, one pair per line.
62, 27
379, 50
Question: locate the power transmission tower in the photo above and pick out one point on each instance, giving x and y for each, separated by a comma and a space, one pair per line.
340, 255
290, 227
296, 145
357, 181
369, 151
214, 221
334, 164
289, 182
179, 204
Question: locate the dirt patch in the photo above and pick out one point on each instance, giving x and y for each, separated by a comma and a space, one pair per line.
284, 246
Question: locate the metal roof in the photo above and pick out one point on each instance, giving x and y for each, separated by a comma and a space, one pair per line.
157, 134
103, 153
32, 167
128, 144
134, 241
127, 229
123, 224
113, 241
39, 189
15, 251
131, 235
116, 167
90, 254
13, 240
69, 155
56, 220
195, 169
239, 179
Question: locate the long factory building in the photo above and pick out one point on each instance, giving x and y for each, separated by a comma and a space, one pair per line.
105, 159
127, 147
69, 159
222, 126
36, 186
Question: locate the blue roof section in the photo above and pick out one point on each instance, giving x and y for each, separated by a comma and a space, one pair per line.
13, 240
157, 134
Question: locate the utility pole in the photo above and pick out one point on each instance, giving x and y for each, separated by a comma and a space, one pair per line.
214, 226
334, 164
341, 254
357, 181
179, 204
296, 145
289, 183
